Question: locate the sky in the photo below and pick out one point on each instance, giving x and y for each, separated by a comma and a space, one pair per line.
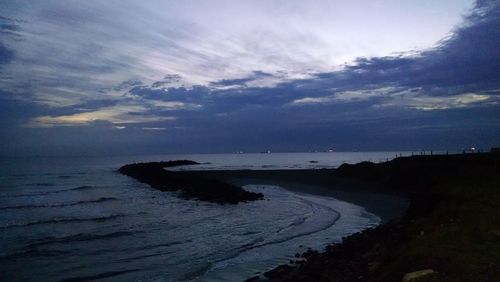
133, 77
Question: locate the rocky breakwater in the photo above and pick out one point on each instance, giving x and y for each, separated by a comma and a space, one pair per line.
191, 186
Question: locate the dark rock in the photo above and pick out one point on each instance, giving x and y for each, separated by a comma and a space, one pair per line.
417, 275
278, 272
251, 279
192, 186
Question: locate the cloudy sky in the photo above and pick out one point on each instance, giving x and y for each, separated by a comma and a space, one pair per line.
94, 77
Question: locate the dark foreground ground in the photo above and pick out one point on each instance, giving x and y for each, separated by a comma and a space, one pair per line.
451, 231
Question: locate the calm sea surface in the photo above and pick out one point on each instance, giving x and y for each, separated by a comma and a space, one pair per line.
63, 218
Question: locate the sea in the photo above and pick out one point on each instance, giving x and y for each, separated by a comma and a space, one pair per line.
78, 219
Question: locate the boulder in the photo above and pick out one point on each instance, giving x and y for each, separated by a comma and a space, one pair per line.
418, 275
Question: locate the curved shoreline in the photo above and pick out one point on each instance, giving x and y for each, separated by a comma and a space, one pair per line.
440, 237
342, 217
322, 183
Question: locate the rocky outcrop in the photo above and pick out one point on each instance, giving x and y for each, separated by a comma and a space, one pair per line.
418, 275
192, 186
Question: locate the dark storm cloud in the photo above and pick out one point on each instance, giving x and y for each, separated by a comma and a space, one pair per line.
127, 84
6, 54
10, 27
196, 93
460, 71
467, 61
241, 81
168, 79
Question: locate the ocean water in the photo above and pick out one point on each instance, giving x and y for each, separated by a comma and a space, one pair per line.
77, 218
